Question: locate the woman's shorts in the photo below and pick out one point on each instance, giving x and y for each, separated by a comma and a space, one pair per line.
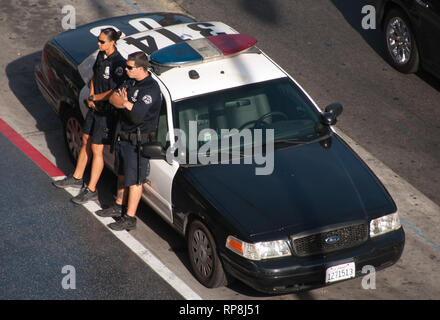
100, 127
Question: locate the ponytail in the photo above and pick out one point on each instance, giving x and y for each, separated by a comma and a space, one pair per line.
112, 34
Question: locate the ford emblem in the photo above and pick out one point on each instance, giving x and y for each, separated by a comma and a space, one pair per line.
332, 239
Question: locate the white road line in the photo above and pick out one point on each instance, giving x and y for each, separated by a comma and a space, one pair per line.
134, 245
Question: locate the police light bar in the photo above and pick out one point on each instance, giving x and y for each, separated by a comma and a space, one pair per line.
202, 50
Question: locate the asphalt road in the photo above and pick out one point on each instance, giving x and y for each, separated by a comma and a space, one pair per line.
395, 117
54, 249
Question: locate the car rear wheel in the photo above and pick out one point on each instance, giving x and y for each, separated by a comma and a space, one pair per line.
400, 42
72, 121
203, 256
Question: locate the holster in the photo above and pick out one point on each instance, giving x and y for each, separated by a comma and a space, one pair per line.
135, 137
116, 134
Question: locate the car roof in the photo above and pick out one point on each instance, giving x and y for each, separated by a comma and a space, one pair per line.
242, 69
249, 67
78, 43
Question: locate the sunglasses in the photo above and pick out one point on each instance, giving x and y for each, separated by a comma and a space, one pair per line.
101, 41
130, 67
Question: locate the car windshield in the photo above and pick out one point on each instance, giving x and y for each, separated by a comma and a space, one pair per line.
276, 104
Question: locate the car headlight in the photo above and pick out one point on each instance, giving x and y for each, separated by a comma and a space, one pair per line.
384, 224
259, 250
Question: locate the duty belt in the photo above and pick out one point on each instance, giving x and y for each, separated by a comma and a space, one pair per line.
131, 136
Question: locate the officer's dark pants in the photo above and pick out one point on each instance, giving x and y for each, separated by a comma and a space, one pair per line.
126, 163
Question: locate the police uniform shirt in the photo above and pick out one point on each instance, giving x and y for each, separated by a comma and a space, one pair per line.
147, 100
108, 72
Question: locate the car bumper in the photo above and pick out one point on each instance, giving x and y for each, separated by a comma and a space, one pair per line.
293, 274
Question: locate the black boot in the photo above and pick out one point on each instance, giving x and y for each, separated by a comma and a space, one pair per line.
85, 195
115, 210
124, 223
69, 181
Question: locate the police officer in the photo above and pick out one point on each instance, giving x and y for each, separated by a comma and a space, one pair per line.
138, 101
98, 128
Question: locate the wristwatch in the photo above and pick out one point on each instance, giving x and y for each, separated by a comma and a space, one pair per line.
91, 98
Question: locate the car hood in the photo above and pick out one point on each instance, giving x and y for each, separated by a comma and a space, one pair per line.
311, 187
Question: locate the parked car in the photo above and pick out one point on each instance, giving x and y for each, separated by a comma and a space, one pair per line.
317, 216
411, 31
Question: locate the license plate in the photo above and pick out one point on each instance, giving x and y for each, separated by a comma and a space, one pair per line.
340, 272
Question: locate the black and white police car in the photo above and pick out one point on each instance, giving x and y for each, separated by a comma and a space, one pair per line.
297, 211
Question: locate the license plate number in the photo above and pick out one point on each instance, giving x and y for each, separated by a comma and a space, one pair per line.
340, 272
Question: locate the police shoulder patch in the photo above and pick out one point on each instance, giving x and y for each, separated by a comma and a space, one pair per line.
119, 71
147, 99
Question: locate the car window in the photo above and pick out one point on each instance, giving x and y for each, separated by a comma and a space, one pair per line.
61, 71
277, 104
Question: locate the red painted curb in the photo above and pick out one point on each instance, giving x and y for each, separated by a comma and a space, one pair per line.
29, 150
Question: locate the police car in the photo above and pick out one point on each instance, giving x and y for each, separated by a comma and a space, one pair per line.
289, 206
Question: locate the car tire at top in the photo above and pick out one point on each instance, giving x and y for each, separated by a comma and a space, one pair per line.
400, 42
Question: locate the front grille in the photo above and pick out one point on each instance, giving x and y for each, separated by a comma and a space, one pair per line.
315, 243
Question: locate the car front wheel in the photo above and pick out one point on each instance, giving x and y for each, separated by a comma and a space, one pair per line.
203, 256
400, 42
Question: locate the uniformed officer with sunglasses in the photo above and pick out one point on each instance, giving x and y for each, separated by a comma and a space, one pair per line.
99, 124
138, 101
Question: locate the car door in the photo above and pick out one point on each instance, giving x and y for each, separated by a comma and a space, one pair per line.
429, 13
157, 190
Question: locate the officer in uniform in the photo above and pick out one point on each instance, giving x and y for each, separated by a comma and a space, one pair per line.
98, 128
139, 101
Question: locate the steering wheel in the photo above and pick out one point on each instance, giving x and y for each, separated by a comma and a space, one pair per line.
260, 120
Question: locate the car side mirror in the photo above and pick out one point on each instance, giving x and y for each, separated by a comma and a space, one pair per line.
332, 111
154, 150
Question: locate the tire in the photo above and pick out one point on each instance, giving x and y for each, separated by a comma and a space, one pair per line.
72, 124
203, 256
400, 43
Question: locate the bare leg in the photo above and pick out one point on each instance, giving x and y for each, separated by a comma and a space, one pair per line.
97, 165
83, 157
133, 199
128, 221
122, 192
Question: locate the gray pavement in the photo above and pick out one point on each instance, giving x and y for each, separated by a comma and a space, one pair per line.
42, 232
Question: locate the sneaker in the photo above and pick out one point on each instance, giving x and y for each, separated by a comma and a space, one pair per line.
69, 181
114, 211
124, 223
84, 196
